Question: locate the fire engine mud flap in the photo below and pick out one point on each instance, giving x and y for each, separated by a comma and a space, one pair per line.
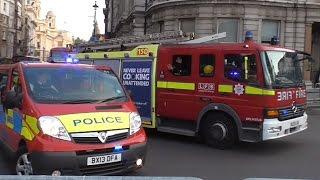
72, 163
247, 133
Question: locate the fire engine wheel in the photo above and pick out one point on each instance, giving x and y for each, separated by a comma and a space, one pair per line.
219, 131
23, 166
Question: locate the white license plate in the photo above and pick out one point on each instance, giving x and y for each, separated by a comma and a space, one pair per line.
103, 159
295, 123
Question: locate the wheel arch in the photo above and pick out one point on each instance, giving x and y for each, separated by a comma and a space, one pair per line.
221, 108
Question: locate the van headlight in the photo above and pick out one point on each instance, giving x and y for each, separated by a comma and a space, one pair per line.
53, 127
135, 123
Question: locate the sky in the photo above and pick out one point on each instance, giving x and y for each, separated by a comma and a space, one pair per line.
75, 16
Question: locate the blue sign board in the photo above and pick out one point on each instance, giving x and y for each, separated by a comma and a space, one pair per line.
136, 77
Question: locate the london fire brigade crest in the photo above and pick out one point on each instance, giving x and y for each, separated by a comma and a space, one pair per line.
238, 89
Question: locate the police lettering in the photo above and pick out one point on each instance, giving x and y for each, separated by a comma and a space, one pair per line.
102, 120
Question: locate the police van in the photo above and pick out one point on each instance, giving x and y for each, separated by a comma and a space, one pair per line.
63, 119
223, 92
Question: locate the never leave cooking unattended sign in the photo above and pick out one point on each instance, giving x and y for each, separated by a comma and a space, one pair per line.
136, 77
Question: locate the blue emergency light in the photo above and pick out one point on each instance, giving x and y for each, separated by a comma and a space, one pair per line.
118, 148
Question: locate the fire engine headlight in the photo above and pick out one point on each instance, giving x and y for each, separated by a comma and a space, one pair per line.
53, 127
135, 123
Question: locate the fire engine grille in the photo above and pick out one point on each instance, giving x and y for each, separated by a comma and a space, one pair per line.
289, 113
104, 169
93, 137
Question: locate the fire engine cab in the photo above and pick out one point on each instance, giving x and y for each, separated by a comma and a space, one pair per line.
224, 92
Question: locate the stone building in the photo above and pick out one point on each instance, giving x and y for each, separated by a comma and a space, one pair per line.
49, 36
295, 22
11, 27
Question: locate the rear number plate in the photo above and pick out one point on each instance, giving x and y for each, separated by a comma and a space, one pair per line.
103, 159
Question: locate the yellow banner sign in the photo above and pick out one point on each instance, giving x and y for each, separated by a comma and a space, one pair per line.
100, 121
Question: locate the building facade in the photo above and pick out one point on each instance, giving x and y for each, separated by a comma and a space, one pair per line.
11, 27
49, 36
296, 23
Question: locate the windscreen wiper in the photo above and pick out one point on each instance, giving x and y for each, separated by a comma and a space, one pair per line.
110, 99
80, 101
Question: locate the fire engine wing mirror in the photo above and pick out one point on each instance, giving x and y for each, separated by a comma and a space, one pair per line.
13, 100
306, 56
130, 94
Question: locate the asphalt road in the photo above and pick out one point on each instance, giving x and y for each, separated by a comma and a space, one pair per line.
296, 156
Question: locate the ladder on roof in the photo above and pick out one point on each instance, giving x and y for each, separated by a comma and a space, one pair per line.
176, 37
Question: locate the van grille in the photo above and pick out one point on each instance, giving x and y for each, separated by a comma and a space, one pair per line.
288, 113
93, 138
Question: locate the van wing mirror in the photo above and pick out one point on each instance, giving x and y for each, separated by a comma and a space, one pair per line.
12, 100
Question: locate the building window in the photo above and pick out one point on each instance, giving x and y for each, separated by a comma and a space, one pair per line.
38, 45
269, 30
60, 43
231, 27
4, 35
161, 26
187, 25
241, 68
207, 67
4, 7
49, 24
181, 65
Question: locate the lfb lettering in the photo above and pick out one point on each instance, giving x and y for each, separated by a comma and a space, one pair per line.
102, 120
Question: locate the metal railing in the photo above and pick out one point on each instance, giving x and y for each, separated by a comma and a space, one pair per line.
313, 96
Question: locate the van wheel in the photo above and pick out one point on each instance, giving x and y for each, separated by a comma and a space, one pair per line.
23, 164
219, 131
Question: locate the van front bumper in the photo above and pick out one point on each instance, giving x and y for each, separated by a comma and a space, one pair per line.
273, 128
75, 163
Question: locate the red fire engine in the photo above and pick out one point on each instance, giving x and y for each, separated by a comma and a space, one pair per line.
224, 92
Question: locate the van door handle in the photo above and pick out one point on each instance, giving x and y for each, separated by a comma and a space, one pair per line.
205, 99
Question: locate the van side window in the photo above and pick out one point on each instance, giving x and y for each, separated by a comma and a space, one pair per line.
207, 67
3, 79
16, 84
181, 65
240, 68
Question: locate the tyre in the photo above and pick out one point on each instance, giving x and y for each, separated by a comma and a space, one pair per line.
219, 131
23, 162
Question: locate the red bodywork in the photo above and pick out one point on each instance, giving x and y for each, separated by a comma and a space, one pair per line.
187, 105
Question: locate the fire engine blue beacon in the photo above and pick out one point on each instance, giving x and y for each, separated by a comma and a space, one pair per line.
249, 35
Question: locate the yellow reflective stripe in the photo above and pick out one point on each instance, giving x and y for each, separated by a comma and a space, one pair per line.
9, 116
225, 88
259, 91
176, 85
32, 122
161, 84
183, 86
25, 132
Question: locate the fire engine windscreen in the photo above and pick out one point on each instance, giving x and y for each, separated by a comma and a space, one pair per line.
282, 69
71, 85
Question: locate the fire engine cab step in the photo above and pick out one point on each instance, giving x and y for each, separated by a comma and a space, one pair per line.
178, 131
185, 128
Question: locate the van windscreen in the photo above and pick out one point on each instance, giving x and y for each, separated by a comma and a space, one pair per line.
73, 85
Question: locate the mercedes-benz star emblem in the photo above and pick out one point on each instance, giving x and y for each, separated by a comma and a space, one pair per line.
294, 107
102, 136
